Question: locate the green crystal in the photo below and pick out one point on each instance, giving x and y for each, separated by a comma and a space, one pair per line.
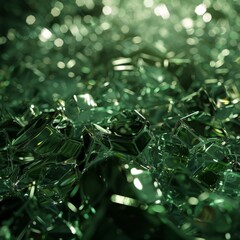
119, 120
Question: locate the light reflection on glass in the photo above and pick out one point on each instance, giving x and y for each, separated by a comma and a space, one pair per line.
61, 65
89, 4
63, 28
30, 20
148, 3
135, 171
71, 74
207, 17
123, 200
79, 3
228, 236
58, 42
45, 35
59, 5
105, 25
200, 9
122, 61
97, 33
3, 40
193, 201
55, 12
107, 10
137, 184
11, 34
162, 10
137, 40
71, 63
187, 23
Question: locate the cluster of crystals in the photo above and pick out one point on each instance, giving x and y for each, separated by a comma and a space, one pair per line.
52, 160
74, 163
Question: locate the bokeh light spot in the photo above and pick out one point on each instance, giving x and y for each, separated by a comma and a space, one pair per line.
162, 10
200, 9
45, 35
30, 20
61, 65
58, 42
107, 10
207, 17
187, 23
148, 3
55, 12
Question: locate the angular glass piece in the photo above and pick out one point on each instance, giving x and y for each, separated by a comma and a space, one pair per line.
123, 145
78, 104
46, 141
133, 181
186, 135
209, 178
230, 184
142, 140
122, 136
41, 137
130, 132
93, 146
200, 101
127, 123
214, 215
33, 128
184, 70
183, 184
70, 148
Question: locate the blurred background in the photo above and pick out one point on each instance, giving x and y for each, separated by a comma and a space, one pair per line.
176, 62
117, 51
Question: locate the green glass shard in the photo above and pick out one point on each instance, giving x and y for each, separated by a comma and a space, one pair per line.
119, 120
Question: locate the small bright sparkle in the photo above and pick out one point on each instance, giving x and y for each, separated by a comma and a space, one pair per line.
45, 35
58, 42
207, 17
107, 10
137, 184
187, 23
30, 20
200, 9
162, 11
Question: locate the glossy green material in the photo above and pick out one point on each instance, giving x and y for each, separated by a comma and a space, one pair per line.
119, 120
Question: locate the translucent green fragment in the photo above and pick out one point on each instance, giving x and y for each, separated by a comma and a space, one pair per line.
130, 133
119, 120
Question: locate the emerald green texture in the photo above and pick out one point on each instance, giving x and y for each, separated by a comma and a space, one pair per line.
119, 120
